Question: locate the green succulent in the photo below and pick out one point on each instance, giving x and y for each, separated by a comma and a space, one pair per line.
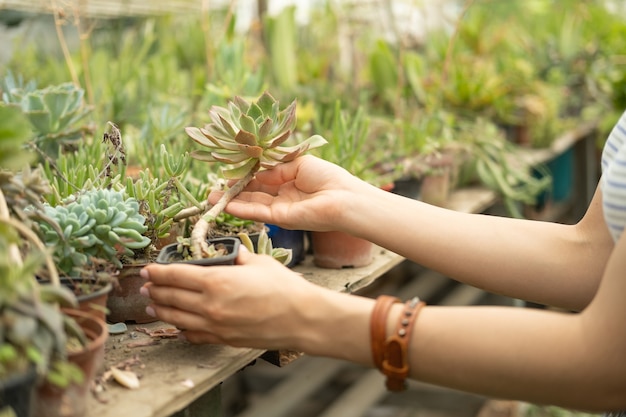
100, 224
265, 247
14, 133
55, 113
33, 330
31, 327
246, 135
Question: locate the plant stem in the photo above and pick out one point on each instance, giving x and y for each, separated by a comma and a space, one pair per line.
14, 251
199, 245
58, 24
190, 212
85, 51
452, 41
208, 48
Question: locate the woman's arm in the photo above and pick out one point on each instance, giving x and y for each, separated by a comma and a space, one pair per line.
572, 360
548, 263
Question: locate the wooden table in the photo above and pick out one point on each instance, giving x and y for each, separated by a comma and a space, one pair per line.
176, 375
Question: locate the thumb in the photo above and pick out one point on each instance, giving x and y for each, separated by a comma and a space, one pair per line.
244, 256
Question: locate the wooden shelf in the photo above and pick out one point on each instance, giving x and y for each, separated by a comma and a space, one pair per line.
560, 145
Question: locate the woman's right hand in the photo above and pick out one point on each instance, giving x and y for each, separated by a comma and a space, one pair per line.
308, 193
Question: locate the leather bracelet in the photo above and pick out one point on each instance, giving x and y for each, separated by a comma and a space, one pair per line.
395, 364
378, 327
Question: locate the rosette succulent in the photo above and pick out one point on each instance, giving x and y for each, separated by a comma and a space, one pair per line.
56, 113
100, 224
245, 136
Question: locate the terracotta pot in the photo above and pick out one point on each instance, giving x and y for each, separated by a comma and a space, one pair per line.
17, 393
124, 303
435, 188
95, 301
71, 401
338, 250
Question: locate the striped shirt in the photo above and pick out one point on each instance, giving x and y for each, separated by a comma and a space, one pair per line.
613, 182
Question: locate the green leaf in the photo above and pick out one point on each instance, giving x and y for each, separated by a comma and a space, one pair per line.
240, 171
265, 103
247, 123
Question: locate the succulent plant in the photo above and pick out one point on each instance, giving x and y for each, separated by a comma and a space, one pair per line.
100, 224
55, 113
33, 330
248, 134
31, 327
15, 131
246, 137
265, 247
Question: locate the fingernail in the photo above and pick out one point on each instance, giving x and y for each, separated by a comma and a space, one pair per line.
144, 273
144, 291
150, 311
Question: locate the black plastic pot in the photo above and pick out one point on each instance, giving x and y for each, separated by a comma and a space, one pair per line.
18, 393
169, 254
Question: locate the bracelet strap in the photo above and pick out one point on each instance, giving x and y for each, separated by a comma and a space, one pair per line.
395, 364
378, 327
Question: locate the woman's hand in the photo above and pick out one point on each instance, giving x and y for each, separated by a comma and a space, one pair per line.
257, 303
307, 193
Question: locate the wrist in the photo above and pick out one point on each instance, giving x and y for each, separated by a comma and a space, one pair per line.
336, 325
357, 211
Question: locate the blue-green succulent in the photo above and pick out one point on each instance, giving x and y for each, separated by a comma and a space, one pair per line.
100, 224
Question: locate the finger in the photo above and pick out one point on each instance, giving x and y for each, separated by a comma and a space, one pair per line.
244, 256
201, 337
182, 319
190, 277
175, 297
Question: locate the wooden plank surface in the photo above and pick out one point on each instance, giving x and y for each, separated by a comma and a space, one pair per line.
172, 373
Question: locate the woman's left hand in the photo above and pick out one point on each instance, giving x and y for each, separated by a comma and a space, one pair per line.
256, 303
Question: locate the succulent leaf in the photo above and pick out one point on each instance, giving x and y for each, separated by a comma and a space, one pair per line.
240, 170
245, 138
245, 134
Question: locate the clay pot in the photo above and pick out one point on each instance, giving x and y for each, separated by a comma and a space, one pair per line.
435, 188
125, 303
338, 250
94, 300
71, 401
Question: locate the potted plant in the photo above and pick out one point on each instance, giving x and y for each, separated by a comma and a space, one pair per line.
160, 200
34, 331
348, 139
246, 137
494, 164
99, 227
